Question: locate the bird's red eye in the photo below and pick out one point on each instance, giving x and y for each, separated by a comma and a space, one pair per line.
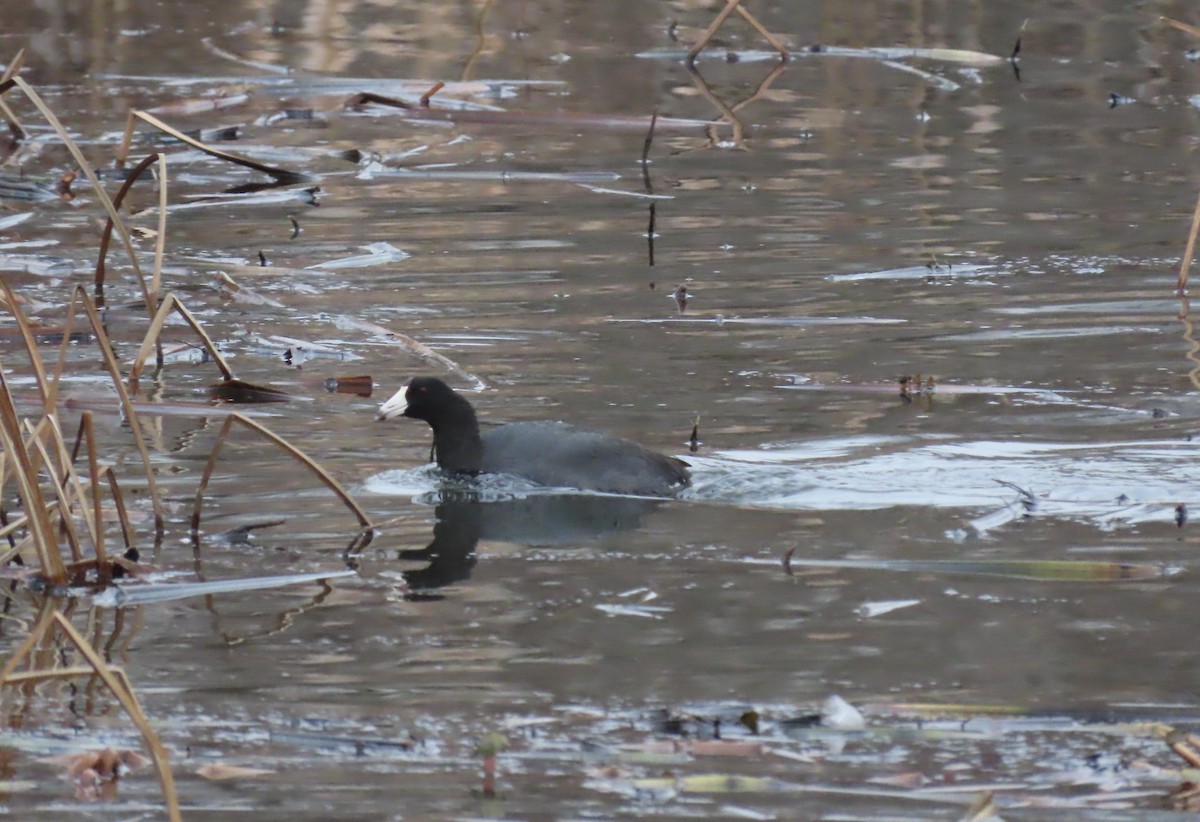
424, 390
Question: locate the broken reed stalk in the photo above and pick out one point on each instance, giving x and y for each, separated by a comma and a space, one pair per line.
323, 475
119, 501
1189, 250
1016, 50
280, 175
87, 436
1192, 30
775, 42
156, 326
88, 171
93, 516
438, 86
59, 483
114, 679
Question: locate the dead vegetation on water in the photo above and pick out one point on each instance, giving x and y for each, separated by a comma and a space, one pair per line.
68, 496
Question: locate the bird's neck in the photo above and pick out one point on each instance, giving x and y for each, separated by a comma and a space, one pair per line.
456, 441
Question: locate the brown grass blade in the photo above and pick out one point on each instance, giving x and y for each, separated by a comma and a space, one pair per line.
87, 435
119, 501
92, 516
114, 373
35, 359
156, 325
64, 346
88, 171
282, 175
106, 235
65, 510
323, 475
42, 532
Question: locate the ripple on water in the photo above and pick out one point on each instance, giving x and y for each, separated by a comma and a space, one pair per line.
1145, 479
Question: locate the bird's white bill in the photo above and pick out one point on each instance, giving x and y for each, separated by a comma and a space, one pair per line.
395, 406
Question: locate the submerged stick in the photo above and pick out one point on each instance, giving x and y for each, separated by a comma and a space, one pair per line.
438, 86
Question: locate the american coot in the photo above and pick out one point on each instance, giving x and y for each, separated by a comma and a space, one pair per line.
549, 453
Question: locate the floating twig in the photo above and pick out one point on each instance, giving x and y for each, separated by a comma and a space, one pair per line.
1192, 30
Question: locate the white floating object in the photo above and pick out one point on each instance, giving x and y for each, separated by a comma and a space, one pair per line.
874, 609
840, 714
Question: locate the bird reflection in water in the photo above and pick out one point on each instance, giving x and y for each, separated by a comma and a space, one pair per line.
462, 520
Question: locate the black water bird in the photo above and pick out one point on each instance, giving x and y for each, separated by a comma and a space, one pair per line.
552, 454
